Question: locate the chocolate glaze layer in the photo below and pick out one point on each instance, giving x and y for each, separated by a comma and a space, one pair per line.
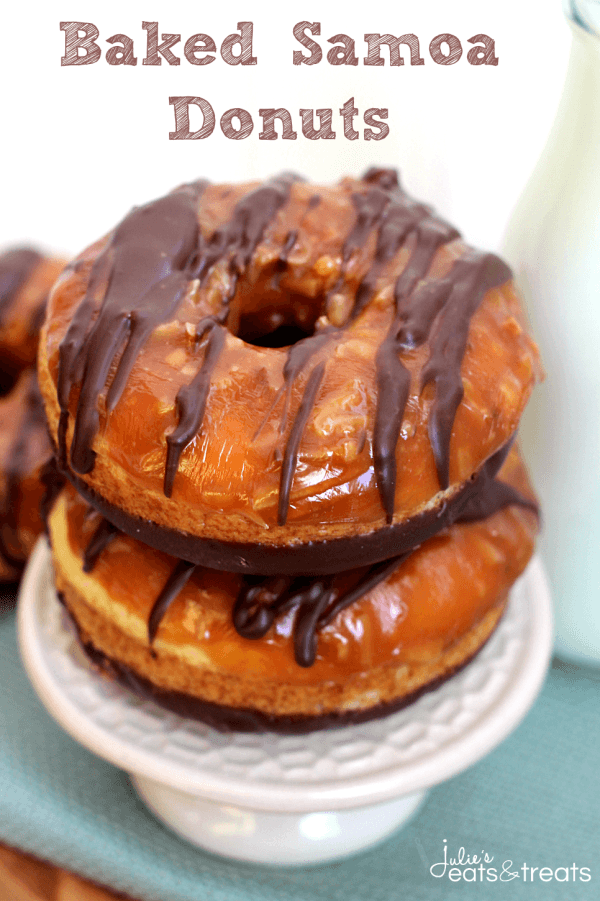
135, 284
317, 602
139, 279
315, 558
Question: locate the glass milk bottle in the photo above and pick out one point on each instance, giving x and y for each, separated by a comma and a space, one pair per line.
553, 244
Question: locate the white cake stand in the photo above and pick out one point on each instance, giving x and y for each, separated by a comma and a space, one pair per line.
288, 799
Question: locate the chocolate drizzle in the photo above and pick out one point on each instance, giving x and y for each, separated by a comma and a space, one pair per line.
440, 309
471, 277
173, 586
261, 599
317, 602
139, 279
102, 537
191, 402
236, 242
292, 236
16, 266
290, 457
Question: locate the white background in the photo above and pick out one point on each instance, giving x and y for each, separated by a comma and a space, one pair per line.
81, 145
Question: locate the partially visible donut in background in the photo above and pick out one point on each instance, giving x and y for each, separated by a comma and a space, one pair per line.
24, 451
26, 277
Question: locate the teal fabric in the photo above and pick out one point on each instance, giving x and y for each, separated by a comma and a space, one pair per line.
534, 801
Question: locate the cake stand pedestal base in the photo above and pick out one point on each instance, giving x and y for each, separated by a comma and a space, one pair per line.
283, 839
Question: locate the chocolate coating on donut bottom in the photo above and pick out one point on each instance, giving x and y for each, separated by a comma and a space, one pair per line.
316, 558
240, 719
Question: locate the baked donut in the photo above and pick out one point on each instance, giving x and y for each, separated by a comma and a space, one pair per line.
226, 647
283, 379
26, 277
25, 450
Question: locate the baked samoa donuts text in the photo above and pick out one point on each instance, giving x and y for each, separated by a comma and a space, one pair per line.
280, 377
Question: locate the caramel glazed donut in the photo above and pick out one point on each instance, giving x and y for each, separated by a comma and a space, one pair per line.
25, 280
285, 383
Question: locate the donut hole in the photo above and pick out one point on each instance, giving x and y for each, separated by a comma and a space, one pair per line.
280, 336
284, 336
271, 324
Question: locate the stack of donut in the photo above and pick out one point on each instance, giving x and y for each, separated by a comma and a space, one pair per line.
286, 415
26, 277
